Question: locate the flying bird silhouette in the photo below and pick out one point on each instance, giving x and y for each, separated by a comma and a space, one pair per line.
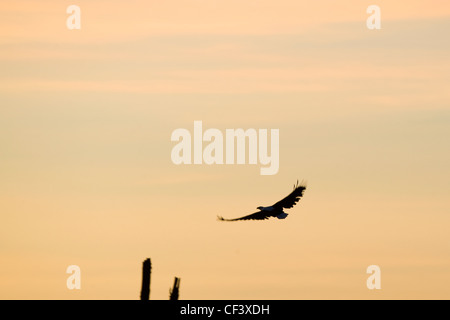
275, 210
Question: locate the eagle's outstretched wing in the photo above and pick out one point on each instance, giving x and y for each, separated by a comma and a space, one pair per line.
260, 215
292, 199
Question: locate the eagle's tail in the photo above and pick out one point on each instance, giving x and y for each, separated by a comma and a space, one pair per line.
282, 215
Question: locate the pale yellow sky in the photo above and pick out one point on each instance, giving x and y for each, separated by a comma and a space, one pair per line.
86, 176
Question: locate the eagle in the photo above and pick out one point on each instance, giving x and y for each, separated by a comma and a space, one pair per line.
275, 210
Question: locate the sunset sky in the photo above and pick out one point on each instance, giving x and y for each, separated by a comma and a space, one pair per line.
86, 176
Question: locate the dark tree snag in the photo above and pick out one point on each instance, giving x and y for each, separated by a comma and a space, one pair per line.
146, 272
175, 291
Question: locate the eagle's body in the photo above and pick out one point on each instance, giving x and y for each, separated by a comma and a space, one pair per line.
265, 208
275, 210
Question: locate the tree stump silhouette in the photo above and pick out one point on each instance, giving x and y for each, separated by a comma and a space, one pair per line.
175, 291
146, 272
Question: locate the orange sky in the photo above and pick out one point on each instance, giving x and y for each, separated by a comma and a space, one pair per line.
86, 176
